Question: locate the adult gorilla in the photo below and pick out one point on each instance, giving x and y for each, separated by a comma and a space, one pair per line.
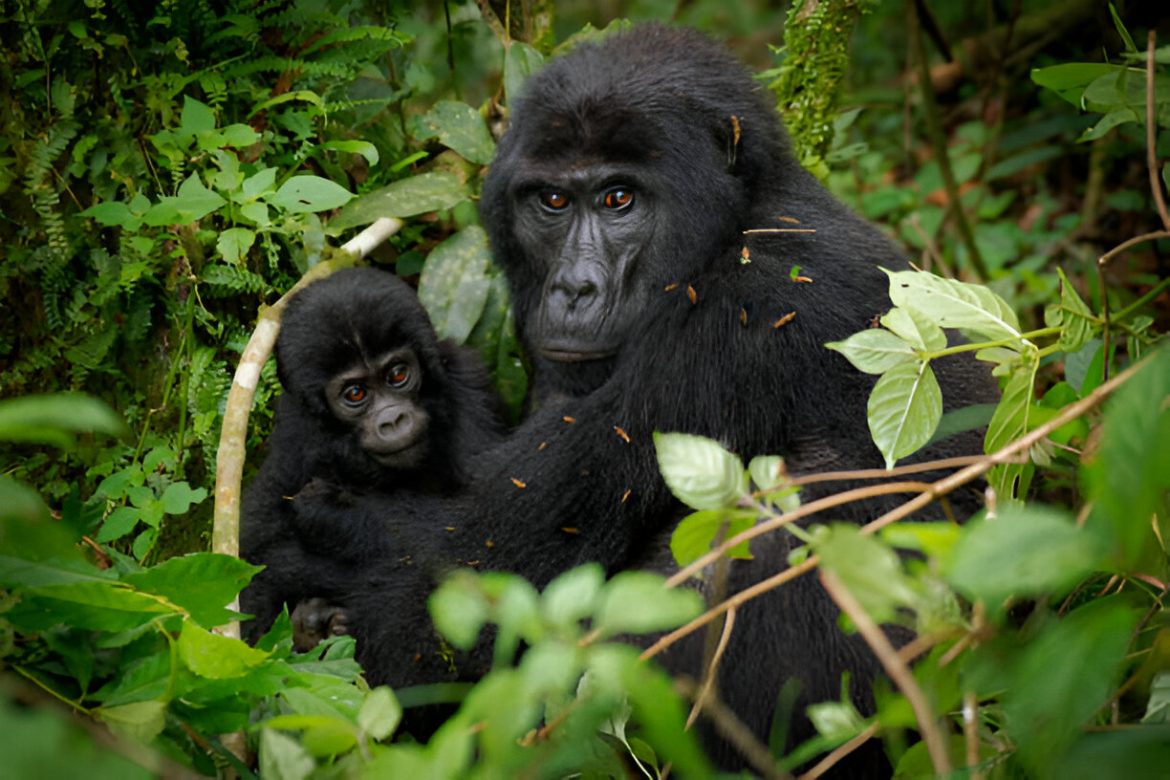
619, 205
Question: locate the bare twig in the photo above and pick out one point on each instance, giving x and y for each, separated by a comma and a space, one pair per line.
831, 760
1151, 134
731, 728
712, 668
1131, 242
895, 667
971, 733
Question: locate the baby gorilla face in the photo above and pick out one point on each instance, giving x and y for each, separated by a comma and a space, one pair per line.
379, 400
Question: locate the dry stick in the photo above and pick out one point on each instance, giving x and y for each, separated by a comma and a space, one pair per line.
971, 733
811, 508
1151, 156
895, 667
732, 729
712, 668
831, 760
225, 534
939, 488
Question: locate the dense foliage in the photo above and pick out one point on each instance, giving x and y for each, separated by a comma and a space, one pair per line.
168, 171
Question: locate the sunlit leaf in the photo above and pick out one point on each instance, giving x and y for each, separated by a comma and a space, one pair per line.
695, 534
904, 409
638, 602
954, 304
405, 198
304, 194
456, 282
457, 126
875, 350
699, 471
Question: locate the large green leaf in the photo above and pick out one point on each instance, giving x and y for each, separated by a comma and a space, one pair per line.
1025, 551
904, 409
870, 570
405, 198
456, 282
696, 533
520, 62
1128, 478
875, 350
638, 602
699, 471
308, 194
457, 126
1012, 419
220, 578
216, 657
56, 418
1076, 321
954, 304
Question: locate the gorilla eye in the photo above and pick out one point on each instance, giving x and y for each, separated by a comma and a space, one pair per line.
354, 394
553, 200
399, 375
618, 199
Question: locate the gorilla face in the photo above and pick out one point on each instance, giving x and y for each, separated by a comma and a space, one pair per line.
379, 400
589, 228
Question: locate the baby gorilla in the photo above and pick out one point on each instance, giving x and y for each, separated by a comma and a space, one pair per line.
373, 403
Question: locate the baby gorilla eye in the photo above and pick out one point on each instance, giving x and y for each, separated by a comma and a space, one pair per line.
618, 198
554, 200
354, 394
399, 375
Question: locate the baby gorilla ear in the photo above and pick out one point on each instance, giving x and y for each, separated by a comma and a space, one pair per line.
379, 400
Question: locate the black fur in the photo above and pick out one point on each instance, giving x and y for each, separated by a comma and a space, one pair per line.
687, 331
310, 546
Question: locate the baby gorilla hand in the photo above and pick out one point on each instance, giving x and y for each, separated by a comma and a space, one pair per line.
314, 620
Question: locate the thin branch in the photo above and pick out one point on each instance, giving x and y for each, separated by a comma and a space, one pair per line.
732, 729
971, 733
712, 669
779, 521
897, 669
1151, 134
831, 760
1128, 243
937, 489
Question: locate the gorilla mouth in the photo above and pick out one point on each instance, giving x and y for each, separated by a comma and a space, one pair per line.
564, 355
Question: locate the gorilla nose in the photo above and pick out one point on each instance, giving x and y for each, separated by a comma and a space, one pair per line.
573, 291
391, 423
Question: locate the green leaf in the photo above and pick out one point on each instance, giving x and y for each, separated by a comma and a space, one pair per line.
118, 523
1064, 676
237, 136
1128, 478
21, 503
869, 569
695, 535
572, 596
1070, 79
196, 117
220, 578
234, 243
216, 657
283, 758
953, 304
457, 126
380, 713
915, 328
364, 148
904, 409
520, 62
456, 281
1076, 319
405, 198
698, 471
56, 419
179, 497
638, 602
141, 721
193, 202
111, 214
258, 184
459, 610
1012, 419
1025, 551
309, 194
100, 605
875, 351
